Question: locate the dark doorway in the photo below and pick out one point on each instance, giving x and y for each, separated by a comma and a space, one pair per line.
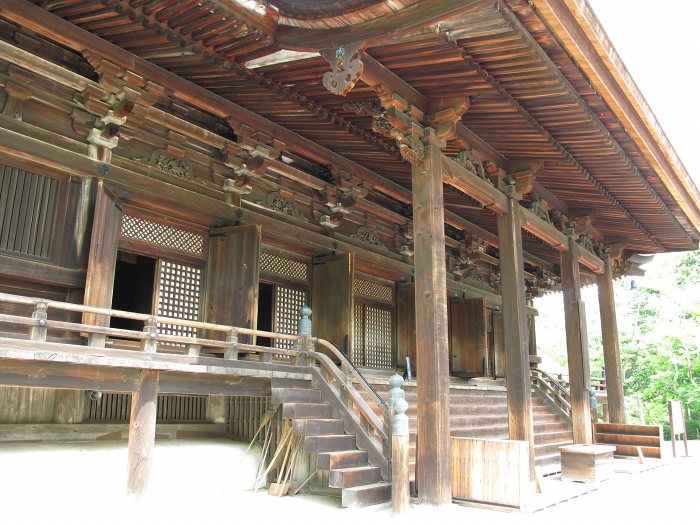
134, 278
266, 297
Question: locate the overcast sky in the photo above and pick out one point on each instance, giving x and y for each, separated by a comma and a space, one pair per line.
659, 41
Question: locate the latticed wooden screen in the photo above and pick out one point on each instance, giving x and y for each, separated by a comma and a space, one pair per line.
162, 235
287, 304
373, 336
288, 269
27, 210
179, 288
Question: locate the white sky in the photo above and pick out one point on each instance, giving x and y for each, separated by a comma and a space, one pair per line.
659, 41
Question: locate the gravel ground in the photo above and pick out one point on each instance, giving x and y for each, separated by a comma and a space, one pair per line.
202, 482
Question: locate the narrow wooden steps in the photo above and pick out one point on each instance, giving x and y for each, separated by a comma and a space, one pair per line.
341, 478
366, 495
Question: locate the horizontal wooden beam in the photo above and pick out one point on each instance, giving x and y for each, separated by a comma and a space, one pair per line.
18, 267
480, 190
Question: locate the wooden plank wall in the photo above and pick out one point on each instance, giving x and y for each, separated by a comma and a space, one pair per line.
490, 470
468, 343
26, 405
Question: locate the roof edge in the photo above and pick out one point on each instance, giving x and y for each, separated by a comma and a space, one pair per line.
580, 32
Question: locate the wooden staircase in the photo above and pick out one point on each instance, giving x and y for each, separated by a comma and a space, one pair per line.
360, 484
479, 409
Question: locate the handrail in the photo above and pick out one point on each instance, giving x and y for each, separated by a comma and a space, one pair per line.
344, 376
360, 377
553, 391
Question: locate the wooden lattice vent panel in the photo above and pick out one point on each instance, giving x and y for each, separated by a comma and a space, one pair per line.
113, 407
163, 235
375, 291
27, 211
288, 269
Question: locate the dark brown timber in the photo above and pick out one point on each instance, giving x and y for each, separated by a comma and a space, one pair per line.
142, 433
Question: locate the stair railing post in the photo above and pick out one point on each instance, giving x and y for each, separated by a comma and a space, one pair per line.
395, 393
38, 331
305, 343
399, 454
150, 343
231, 350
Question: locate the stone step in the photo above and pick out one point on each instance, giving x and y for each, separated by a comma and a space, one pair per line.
307, 411
341, 459
366, 495
318, 427
329, 443
342, 478
295, 395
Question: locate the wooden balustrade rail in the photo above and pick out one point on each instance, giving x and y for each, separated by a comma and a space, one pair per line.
553, 391
344, 377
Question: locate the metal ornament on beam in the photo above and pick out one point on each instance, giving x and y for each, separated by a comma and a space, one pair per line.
346, 67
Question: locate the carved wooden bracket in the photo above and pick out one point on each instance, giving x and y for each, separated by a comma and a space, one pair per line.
16, 95
445, 113
346, 67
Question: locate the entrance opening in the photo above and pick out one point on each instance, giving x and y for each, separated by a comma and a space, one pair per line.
134, 279
266, 297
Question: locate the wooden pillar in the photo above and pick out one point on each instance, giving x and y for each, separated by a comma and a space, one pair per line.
102, 261
142, 433
433, 454
515, 332
217, 409
576, 344
532, 340
611, 346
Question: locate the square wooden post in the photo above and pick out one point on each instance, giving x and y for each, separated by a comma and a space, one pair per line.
515, 328
433, 454
142, 433
611, 346
576, 344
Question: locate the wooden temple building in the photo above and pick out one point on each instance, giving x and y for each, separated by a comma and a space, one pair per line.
179, 177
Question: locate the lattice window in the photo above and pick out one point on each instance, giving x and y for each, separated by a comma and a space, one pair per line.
27, 210
287, 304
282, 267
358, 335
179, 288
373, 336
373, 290
117, 407
162, 235
379, 335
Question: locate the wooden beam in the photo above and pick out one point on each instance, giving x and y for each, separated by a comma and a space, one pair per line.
142, 433
41, 272
576, 344
611, 347
73, 37
433, 455
515, 331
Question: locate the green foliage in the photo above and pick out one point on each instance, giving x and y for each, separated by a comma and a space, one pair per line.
688, 269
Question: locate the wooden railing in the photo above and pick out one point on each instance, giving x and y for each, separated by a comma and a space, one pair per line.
597, 383
341, 378
553, 391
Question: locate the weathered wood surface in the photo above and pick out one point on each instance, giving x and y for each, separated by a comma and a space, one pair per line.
332, 300
515, 332
26, 405
433, 458
627, 438
233, 270
676, 421
576, 345
611, 346
142, 433
499, 346
586, 463
491, 471
99, 281
406, 325
468, 337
